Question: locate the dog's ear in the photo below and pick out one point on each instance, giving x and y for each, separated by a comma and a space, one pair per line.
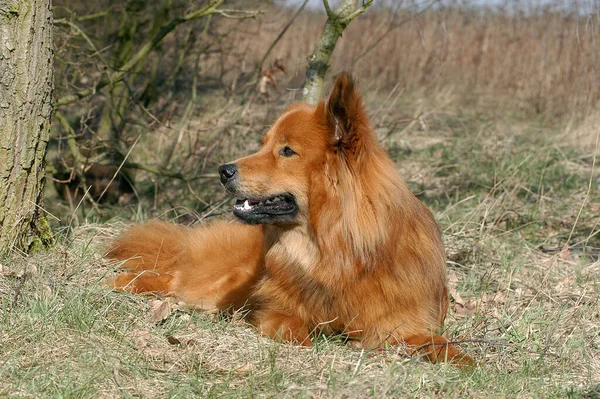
345, 112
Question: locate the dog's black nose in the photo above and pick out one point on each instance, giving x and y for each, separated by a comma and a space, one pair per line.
227, 172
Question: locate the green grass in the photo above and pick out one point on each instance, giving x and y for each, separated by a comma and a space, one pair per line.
507, 192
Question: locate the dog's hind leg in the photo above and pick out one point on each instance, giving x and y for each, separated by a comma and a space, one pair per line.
145, 282
281, 326
438, 349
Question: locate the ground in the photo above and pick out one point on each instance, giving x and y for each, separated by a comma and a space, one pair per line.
517, 202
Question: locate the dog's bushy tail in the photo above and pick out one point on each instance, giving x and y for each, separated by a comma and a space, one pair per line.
212, 266
149, 252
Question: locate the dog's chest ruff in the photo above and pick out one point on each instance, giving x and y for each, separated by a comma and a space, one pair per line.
294, 249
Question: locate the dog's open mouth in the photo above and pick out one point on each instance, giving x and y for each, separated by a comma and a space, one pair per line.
279, 208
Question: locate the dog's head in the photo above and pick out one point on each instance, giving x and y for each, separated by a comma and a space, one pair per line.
298, 158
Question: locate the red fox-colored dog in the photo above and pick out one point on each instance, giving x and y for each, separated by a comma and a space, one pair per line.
331, 240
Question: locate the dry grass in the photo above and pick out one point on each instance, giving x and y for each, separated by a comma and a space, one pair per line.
586, 135
540, 65
525, 305
545, 62
542, 62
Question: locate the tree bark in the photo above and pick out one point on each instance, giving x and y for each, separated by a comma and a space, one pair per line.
26, 104
318, 61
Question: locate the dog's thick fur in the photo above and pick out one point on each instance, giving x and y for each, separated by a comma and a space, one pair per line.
355, 253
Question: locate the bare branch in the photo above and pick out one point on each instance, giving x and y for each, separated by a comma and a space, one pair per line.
119, 168
271, 47
81, 32
92, 16
167, 173
330, 13
170, 150
318, 62
118, 75
358, 11
237, 14
71, 138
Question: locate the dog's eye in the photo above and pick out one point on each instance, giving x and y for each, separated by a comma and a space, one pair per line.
287, 152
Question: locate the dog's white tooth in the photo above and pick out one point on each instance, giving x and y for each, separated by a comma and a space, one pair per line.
246, 206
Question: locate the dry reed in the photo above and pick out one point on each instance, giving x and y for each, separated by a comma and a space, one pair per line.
547, 61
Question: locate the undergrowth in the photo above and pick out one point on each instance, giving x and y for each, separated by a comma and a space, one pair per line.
518, 207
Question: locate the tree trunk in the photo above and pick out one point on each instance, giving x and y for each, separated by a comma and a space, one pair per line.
26, 104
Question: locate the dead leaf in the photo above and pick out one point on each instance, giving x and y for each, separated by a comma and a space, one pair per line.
244, 369
565, 254
141, 337
463, 308
28, 271
46, 292
173, 341
10, 273
452, 280
457, 298
159, 310
497, 298
452, 283
32, 270
185, 317
142, 341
